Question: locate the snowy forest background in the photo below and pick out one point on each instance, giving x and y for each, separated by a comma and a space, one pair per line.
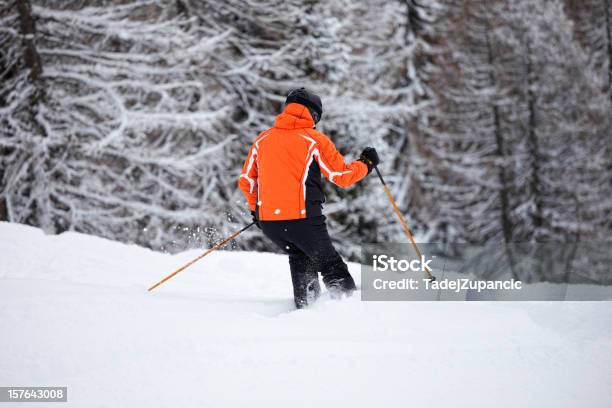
131, 119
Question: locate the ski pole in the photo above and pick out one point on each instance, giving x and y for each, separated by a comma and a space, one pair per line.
188, 264
403, 222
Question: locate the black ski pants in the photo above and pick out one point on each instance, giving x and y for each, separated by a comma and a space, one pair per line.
310, 251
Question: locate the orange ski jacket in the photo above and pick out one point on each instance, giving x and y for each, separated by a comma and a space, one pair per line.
281, 177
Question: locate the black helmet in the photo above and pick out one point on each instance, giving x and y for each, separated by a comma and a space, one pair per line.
304, 97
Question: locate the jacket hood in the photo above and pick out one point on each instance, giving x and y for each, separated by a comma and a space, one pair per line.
294, 116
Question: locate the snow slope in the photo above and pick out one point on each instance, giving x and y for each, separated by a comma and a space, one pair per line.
74, 311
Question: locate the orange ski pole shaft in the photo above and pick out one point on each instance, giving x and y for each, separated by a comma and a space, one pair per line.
188, 264
402, 221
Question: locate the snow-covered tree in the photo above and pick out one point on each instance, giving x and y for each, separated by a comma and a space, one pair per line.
131, 119
120, 128
522, 129
376, 95
568, 125
273, 48
593, 29
470, 183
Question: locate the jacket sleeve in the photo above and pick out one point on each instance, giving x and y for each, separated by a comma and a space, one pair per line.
334, 167
247, 182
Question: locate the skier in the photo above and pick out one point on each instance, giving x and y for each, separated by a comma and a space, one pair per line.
281, 180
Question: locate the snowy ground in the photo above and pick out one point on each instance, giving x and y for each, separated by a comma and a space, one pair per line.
74, 311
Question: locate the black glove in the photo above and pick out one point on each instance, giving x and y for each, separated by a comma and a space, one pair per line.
255, 220
370, 158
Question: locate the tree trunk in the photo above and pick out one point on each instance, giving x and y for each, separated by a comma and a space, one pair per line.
609, 44
3, 210
28, 30
502, 176
532, 141
500, 153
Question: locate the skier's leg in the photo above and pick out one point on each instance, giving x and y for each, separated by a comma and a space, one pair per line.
305, 279
311, 236
304, 275
337, 278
